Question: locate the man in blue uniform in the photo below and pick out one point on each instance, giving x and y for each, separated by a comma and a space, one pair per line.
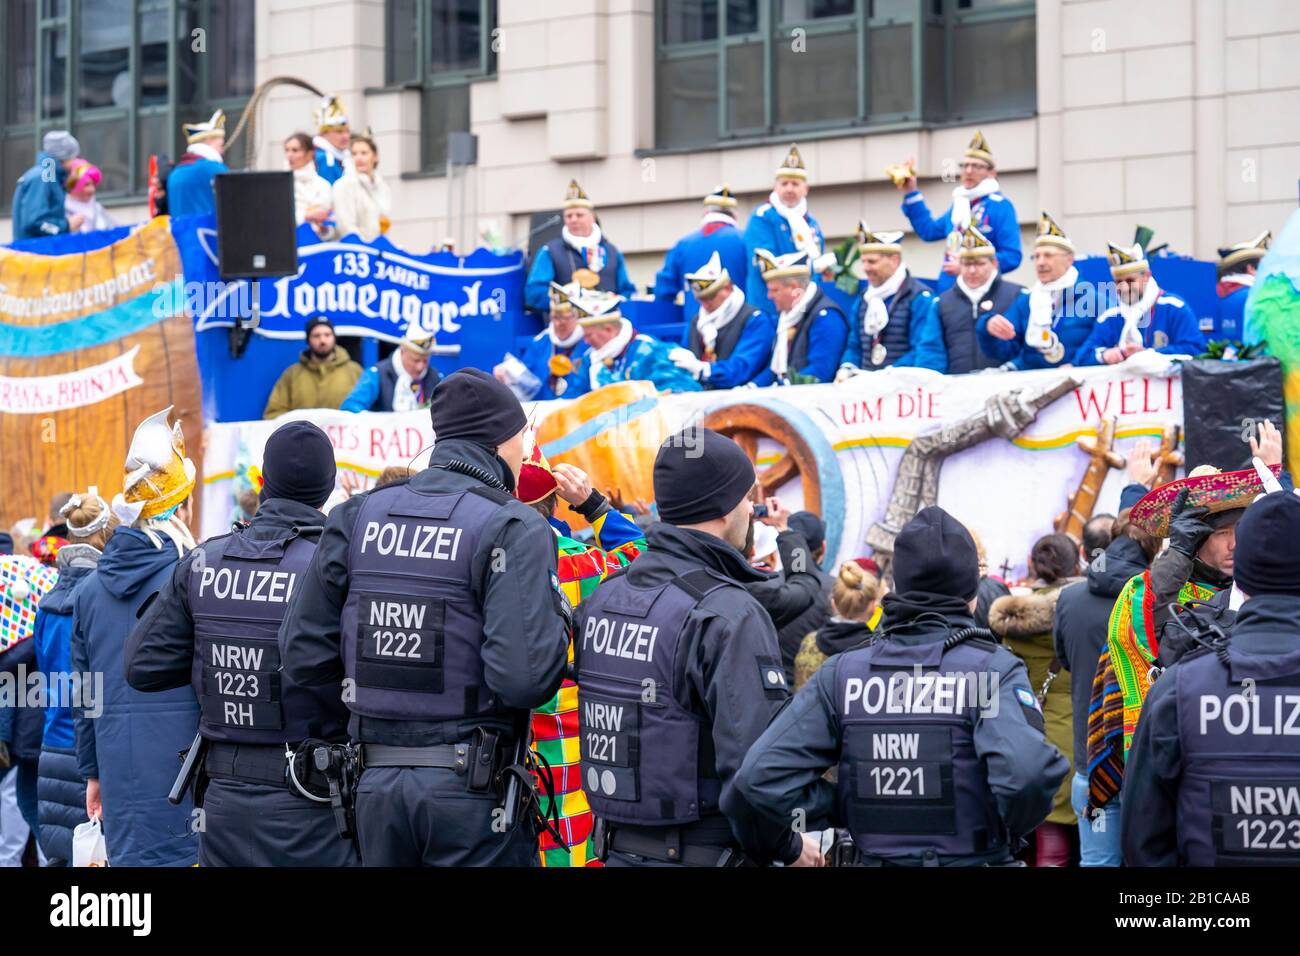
556, 358
1237, 265
621, 354
1045, 328
975, 202
811, 330
896, 322
402, 382
730, 339
1145, 318
1213, 776
783, 226
580, 254
214, 625
719, 236
678, 672
333, 135
935, 730
438, 599
980, 292
189, 186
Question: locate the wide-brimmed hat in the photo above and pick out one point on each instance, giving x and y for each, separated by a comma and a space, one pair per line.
1207, 487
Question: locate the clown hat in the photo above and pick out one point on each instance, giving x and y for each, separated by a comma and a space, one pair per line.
1207, 487
979, 149
709, 278
575, 198
974, 245
158, 475
1126, 262
792, 265
889, 243
536, 480
213, 128
330, 115
792, 167
1050, 234
596, 307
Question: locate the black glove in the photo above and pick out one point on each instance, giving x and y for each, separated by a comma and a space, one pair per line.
1188, 528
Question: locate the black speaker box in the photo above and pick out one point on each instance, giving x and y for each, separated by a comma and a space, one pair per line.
256, 231
1222, 401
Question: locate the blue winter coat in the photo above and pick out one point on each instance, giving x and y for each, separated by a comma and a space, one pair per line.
692, 252
38, 200
537, 359
20, 727
132, 747
826, 340
748, 359
925, 335
767, 229
537, 290
374, 389
1172, 328
1230, 323
646, 359
994, 216
1072, 321
189, 187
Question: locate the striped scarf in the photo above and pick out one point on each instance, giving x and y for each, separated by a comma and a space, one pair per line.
555, 724
1122, 681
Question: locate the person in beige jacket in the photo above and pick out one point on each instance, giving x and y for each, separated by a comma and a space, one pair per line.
362, 203
321, 378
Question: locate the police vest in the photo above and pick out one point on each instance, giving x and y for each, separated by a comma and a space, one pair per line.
412, 629
238, 594
1239, 731
910, 780
728, 335
896, 336
568, 260
645, 759
798, 357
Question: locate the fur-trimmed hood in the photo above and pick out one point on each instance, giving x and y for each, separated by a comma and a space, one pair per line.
1025, 615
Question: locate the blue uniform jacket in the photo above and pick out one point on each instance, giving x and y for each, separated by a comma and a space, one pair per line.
131, 746
1073, 321
767, 229
751, 356
537, 358
1231, 320
328, 167
537, 290
925, 335
189, 187
38, 200
692, 252
826, 338
1171, 328
646, 359
993, 215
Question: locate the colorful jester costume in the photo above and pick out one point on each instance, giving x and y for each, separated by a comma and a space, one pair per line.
555, 724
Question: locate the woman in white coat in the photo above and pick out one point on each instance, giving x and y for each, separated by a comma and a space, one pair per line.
312, 196
361, 200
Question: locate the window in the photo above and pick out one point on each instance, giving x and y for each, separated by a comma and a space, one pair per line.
745, 69
440, 46
138, 70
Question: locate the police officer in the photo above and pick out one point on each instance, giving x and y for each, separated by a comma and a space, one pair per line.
1213, 776
214, 625
438, 598
935, 730
678, 672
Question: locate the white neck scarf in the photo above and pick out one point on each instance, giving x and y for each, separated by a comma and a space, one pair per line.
715, 215
800, 229
789, 320
876, 316
962, 199
1239, 278
574, 337
975, 295
206, 151
342, 156
609, 350
405, 398
1133, 313
711, 323
582, 243
1042, 303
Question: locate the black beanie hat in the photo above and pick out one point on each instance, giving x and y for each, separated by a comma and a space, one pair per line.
317, 320
700, 475
935, 553
1266, 560
298, 464
472, 405
810, 526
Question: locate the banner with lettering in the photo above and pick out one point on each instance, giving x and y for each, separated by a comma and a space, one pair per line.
1002, 449
93, 340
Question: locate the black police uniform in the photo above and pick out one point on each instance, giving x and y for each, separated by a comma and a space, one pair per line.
939, 746
214, 625
678, 672
439, 600
1213, 774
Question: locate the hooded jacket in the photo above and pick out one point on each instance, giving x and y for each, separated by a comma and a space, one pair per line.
1081, 625
312, 384
796, 601
834, 637
132, 746
38, 208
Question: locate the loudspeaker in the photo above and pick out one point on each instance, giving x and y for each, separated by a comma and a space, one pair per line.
256, 228
1222, 401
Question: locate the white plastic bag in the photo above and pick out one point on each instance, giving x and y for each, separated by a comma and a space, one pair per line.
88, 846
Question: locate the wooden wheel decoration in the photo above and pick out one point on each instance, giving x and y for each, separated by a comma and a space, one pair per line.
746, 425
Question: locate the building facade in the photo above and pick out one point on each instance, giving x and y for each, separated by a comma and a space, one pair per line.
1179, 115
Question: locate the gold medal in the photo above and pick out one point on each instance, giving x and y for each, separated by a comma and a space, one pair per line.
877, 354
586, 278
